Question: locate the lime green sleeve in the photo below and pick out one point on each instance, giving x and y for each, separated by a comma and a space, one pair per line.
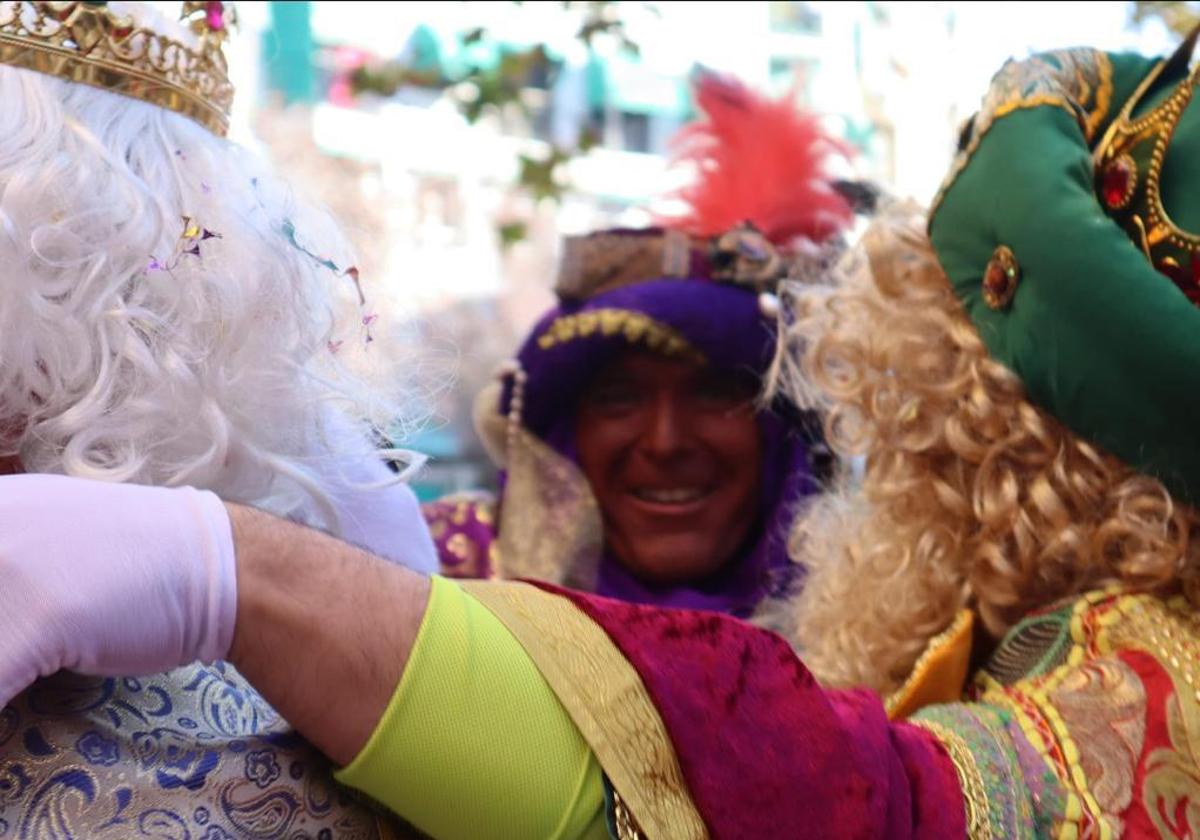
474, 743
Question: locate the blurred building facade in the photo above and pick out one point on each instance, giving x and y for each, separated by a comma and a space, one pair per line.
429, 197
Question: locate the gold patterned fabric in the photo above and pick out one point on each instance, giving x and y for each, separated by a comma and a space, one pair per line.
550, 524
463, 527
600, 262
1170, 633
194, 753
547, 528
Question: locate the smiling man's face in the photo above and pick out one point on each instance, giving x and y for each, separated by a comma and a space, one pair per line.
673, 454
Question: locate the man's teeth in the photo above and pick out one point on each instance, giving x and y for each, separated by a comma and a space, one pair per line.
678, 496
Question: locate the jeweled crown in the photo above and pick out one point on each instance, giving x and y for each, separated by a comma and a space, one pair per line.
89, 43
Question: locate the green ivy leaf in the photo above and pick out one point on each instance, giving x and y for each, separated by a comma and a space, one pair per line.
589, 138
511, 233
500, 87
537, 176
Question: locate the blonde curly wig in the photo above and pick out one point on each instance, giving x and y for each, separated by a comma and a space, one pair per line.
972, 497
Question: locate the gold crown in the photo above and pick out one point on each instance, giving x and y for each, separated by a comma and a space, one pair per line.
86, 42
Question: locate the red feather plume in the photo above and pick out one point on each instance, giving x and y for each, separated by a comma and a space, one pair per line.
758, 160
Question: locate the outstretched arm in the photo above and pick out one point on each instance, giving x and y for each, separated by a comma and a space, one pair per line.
120, 580
419, 689
323, 629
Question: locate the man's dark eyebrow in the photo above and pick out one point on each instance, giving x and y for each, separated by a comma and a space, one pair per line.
608, 373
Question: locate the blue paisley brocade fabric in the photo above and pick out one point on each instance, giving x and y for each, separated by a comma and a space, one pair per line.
192, 754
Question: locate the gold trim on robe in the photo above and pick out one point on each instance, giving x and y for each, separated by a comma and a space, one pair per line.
606, 699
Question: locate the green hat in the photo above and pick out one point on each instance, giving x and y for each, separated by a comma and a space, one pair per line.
1063, 227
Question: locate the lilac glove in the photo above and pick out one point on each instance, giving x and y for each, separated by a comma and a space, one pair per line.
110, 579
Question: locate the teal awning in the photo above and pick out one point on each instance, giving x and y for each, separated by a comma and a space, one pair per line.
624, 83
288, 47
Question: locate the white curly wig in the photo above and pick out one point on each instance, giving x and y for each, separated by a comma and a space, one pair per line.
217, 374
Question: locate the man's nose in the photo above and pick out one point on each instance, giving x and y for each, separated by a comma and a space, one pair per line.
666, 431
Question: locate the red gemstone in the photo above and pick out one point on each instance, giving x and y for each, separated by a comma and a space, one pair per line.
1116, 183
214, 14
995, 279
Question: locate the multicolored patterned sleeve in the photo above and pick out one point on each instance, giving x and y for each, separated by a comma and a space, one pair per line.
1086, 724
1007, 789
463, 527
